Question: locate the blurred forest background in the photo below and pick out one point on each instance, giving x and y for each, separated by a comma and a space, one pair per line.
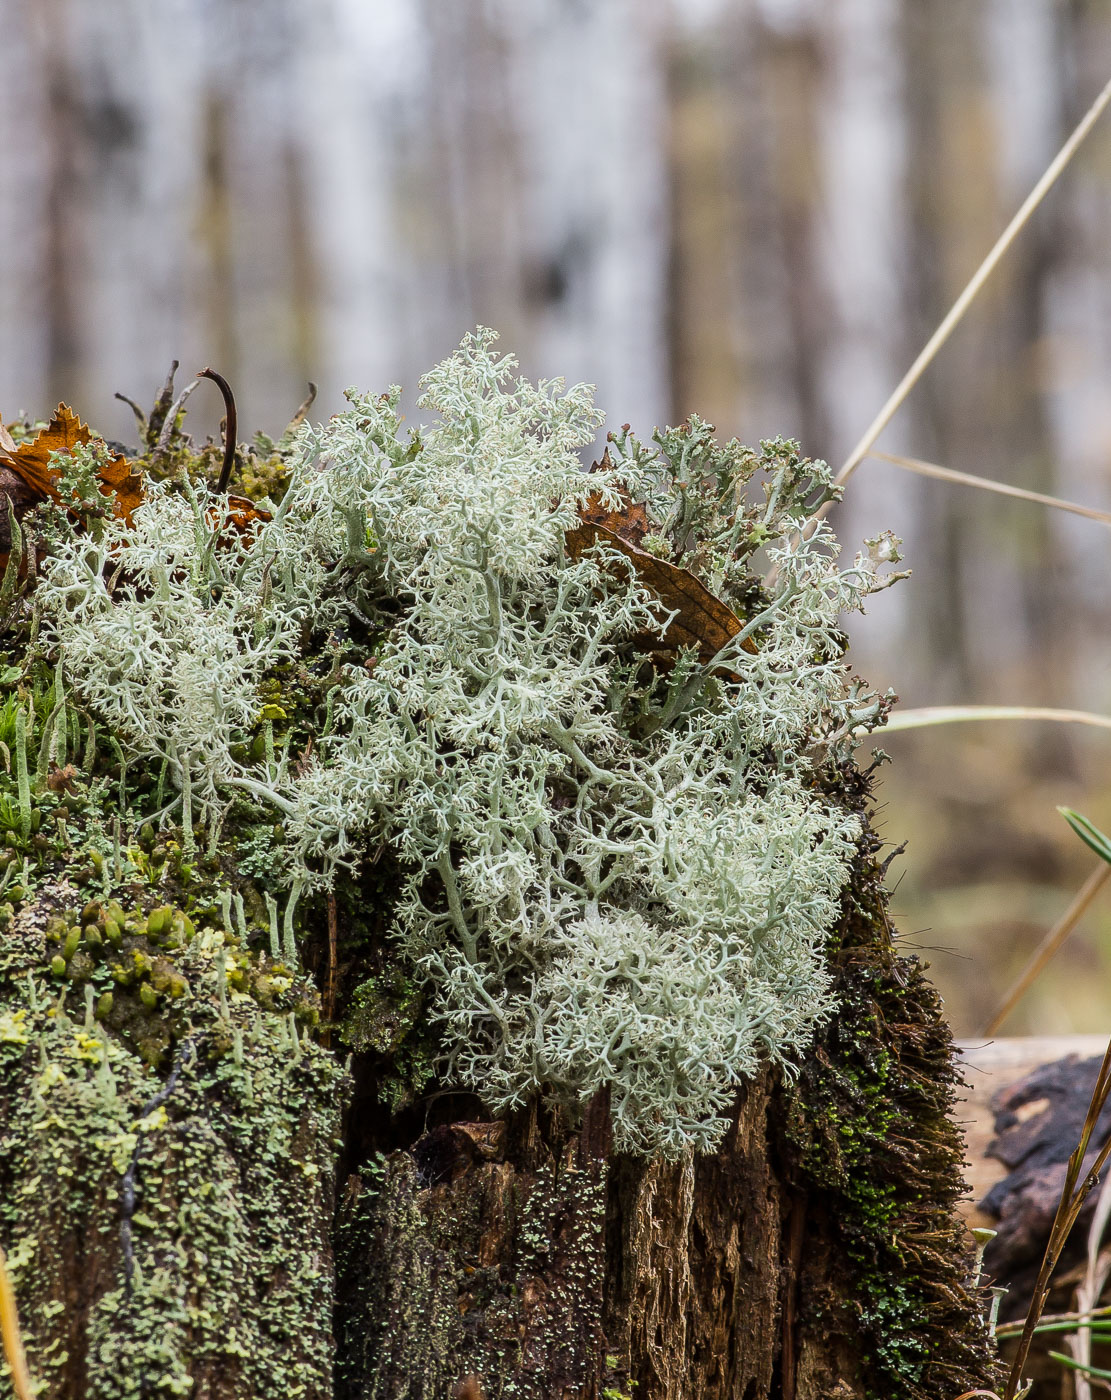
756, 209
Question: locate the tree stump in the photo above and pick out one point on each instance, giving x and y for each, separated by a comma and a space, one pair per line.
575, 860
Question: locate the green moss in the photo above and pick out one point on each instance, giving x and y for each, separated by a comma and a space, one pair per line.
218, 1274
383, 1012
869, 1120
384, 1020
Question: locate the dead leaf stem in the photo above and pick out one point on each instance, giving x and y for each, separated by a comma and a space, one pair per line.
230, 425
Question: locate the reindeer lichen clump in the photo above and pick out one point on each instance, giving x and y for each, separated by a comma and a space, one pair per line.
619, 863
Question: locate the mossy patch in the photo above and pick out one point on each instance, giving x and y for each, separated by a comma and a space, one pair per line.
163, 1243
869, 1121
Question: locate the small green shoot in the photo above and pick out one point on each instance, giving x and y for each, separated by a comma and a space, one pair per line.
1093, 1372
1088, 833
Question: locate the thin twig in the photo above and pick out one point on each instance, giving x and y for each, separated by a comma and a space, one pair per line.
299, 417
1053, 1322
175, 408
983, 483
13, 1341
162, 403
1050, 944
966, 298
140, 416
229, 425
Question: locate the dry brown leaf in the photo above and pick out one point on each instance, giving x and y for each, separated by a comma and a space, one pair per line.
124, 485
701, 621
30, 462
629, 522
243, 513
61, 779
26, 477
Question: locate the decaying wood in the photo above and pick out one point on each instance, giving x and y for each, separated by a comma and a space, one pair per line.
989, 1067
464, 1264
526, 1259
698, 1264
1026, 1103
1034, 1111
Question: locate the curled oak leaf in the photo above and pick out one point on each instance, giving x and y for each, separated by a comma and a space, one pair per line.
31, 459
124, 485
26, 476
700, 621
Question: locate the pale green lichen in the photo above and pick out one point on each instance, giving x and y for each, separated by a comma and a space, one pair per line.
617, 872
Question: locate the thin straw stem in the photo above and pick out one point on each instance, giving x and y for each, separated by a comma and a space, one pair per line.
930, 715
979, 277
13, 1342
966, 298
1050, 944
983, 483
1053, 1322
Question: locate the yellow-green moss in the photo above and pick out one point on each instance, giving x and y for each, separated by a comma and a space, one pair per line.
229, 1279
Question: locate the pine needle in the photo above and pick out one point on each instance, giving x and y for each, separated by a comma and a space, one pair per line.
967, 297
979, 277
